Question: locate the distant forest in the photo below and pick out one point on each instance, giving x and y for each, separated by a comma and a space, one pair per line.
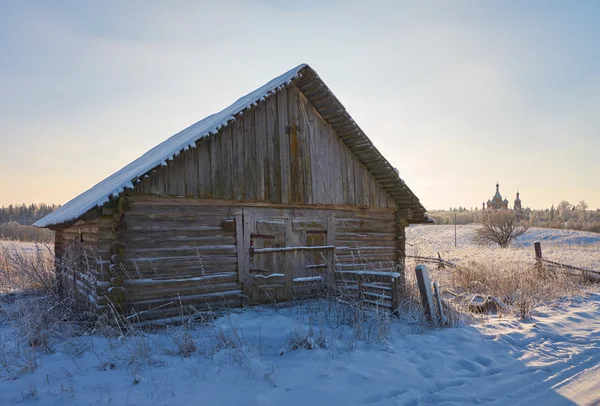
24, 214
16, 221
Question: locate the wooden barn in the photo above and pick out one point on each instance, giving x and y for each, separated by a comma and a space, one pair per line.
263, 201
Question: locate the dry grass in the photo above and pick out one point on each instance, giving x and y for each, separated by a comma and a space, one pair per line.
26, 267
509, 274
30, 301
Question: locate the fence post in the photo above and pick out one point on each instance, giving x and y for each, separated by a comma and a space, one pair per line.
440, 306
426, 296
361, 281
395, 296
538, 253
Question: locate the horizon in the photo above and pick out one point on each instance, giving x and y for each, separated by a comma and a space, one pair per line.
456, 97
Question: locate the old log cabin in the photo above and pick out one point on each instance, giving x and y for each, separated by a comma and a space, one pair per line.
260, 201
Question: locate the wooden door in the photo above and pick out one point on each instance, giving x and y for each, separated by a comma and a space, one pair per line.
288, 257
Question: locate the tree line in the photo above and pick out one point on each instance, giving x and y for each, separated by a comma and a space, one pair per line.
564, 215
25, 214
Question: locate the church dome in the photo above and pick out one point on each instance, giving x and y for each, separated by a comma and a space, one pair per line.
497, 196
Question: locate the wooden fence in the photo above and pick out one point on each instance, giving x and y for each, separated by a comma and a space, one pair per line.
441, 263
588, 274
375, 288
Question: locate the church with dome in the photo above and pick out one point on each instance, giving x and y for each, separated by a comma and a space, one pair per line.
497, 203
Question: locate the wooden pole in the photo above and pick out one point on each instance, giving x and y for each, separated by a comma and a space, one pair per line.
426, 296
454, 229
395, 297
538, 253
440, 306
361, 281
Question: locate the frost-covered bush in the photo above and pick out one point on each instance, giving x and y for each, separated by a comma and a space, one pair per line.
499, 227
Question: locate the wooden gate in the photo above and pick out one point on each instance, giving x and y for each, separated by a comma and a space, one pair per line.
288, 256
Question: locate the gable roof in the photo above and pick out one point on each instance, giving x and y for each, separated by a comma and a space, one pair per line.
307, 80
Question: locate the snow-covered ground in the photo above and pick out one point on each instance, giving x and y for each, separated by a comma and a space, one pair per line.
310, 354
247, 358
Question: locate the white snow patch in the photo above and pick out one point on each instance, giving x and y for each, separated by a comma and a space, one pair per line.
309, 279
273, 275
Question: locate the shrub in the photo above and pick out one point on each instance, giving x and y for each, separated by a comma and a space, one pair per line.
499, 227
16, 231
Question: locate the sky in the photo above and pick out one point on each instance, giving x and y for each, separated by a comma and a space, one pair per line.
457, 95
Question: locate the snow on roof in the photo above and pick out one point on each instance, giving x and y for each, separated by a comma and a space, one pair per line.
124, 178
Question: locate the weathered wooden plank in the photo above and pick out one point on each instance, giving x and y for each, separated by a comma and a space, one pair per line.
213, 298
327, 196
148, 288
239, 235
250, 171
160, 243
284, 145
239, 152
179, 251
183, 220
260, 146
364, 237
202, 160
223, 138
163, 208
172, 267
296, 169
272, 161
366, 186
370, 213
288, 259
152, 200
307, 134
248, 229
339, 191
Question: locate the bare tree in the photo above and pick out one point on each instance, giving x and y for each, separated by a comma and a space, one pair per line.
563, 206
499, 227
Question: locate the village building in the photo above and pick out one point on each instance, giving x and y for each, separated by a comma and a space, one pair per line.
496, 203
263, 201
517, 206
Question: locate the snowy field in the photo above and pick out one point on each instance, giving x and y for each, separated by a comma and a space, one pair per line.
310, 354
27, 247
571, 247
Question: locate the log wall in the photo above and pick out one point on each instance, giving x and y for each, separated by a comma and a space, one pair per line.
75, 250
280, 151
183, 252
179, 253
366, 240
